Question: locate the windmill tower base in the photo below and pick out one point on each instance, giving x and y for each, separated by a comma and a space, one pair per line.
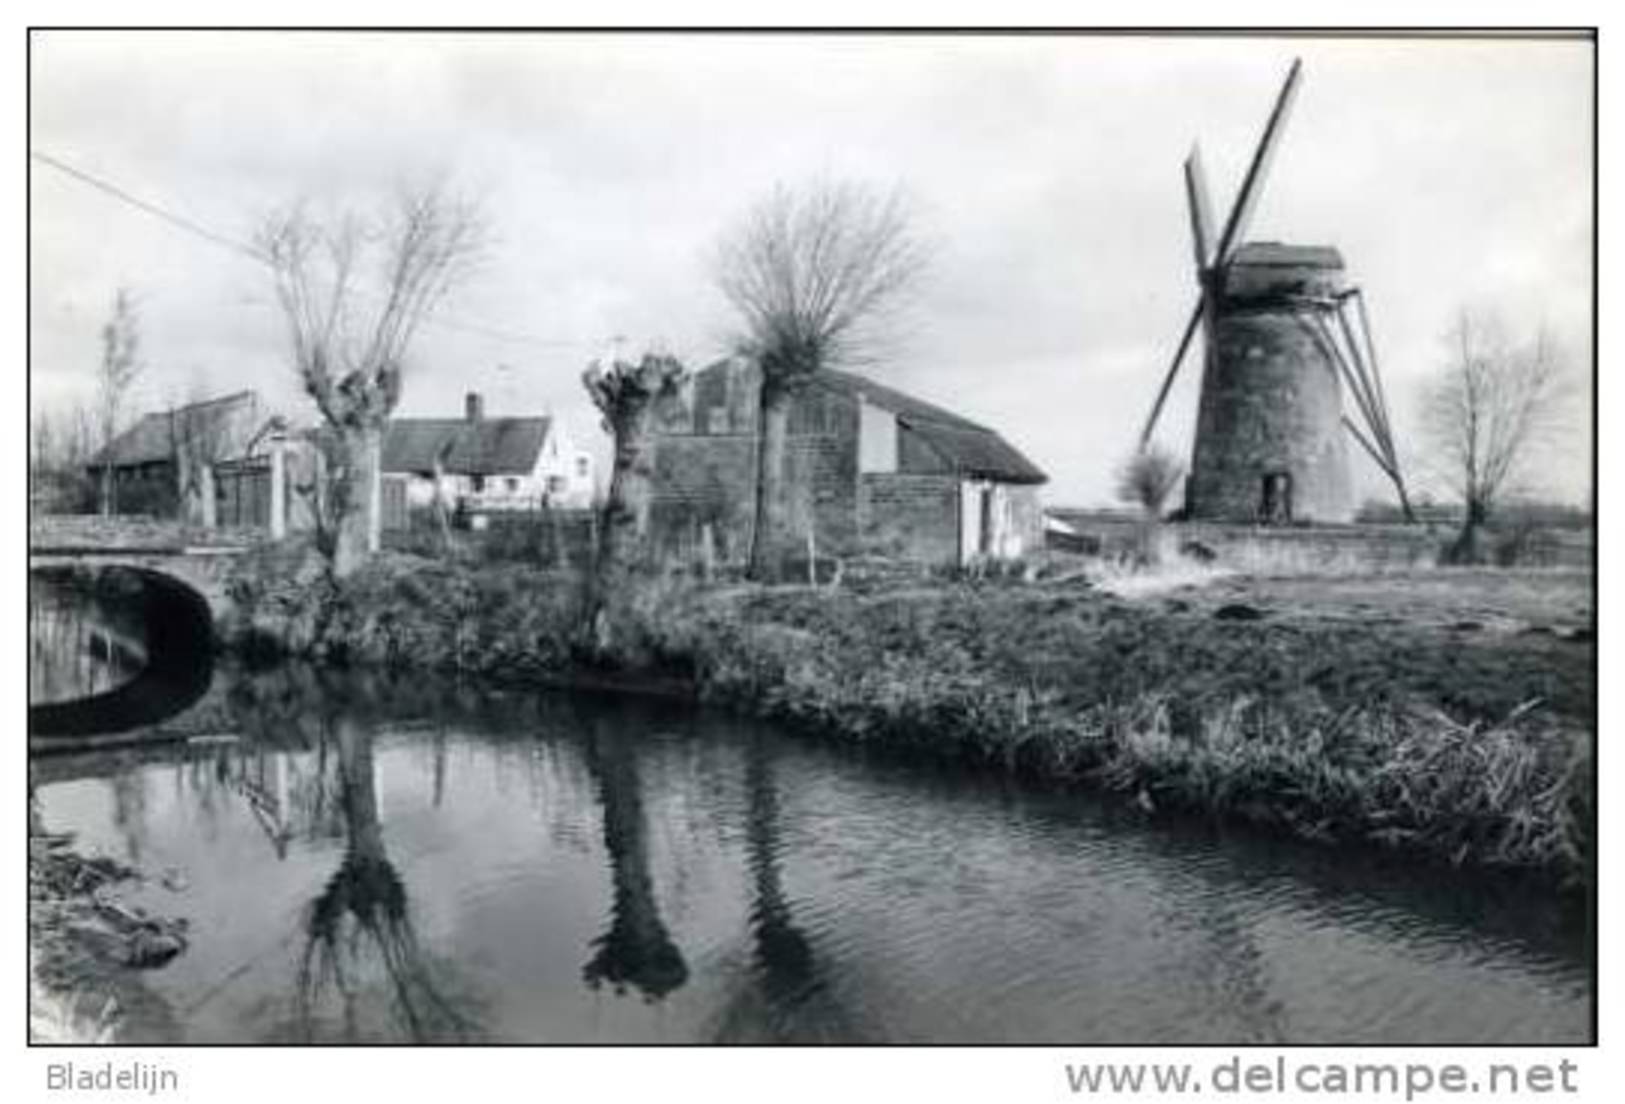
1270, 446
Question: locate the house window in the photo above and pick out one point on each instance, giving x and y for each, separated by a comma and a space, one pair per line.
716, 419
513, 483
476, 483
581, 466
555, 484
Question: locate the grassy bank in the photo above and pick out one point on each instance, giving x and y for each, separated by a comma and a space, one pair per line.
1395, 731
85, 943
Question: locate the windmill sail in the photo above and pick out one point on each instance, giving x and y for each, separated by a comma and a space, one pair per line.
1216, 256
1173, 370
1201, 209
1241, 213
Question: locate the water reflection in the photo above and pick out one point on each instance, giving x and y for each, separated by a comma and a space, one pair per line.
112, 650
363, 914
783, 996
636, 950
414, 859
78, 644
130, 814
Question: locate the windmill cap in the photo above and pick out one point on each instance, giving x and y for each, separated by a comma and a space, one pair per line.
1277, 255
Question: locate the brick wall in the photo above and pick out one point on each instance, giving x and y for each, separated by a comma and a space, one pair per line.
1313, 548
700, 481
705, 470
909, 516
705, 475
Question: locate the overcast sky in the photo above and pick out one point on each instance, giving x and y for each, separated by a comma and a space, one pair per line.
1044, 170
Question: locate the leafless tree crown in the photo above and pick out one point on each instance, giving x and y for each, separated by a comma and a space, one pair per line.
626, 386
1148, 478
810, 272
354, 290
1490, 407
120, 363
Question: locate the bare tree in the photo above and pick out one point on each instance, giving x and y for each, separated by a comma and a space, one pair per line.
350, 341
117, 372
43, 455
1146, 480
812, 274
627, 395
62, 446
1492, 404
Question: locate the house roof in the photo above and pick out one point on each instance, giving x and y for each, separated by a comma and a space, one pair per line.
963, 446
414, 444
152, 439
489, 446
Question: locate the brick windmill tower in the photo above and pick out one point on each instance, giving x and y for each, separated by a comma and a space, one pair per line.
1280, 347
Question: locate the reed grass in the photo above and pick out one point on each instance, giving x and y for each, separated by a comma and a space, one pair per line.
1340, 733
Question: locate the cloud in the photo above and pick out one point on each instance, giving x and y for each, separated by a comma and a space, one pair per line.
1045, 168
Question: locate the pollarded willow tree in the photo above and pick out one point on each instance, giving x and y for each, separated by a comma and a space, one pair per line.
1492, 405
628, 395
353, 292
814, 276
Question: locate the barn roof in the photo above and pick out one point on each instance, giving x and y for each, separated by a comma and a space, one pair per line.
489, 446
152, 439
963, 446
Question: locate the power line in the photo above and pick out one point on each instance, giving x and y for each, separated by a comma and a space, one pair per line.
170, 217
190, 226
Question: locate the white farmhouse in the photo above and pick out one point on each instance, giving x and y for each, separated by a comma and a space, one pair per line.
487, 465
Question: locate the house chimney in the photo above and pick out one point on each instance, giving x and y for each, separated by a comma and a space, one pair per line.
474, 406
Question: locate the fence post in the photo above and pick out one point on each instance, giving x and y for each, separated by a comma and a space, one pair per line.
279, 491
207, 513
708, 551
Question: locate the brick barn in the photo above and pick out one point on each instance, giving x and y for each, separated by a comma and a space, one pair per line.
871, 472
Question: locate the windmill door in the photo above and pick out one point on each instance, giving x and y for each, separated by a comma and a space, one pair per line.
1275, 506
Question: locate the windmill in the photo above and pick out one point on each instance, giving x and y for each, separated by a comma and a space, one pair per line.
1283, 335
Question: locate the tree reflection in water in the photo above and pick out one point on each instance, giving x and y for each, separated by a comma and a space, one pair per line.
784, 996
636, 950
83, 638
363, 912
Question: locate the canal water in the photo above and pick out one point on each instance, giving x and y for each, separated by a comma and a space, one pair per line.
80, 641
373, 858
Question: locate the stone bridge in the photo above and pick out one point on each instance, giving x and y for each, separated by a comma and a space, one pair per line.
200, 560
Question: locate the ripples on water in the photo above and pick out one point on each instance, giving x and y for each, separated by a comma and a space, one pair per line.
397, 860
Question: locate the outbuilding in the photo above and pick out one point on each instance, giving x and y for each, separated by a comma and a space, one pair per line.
871, 471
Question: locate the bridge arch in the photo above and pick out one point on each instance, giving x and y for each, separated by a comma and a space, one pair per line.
177, 621
200, 570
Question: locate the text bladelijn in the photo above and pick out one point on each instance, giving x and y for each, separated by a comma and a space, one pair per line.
136, 1077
